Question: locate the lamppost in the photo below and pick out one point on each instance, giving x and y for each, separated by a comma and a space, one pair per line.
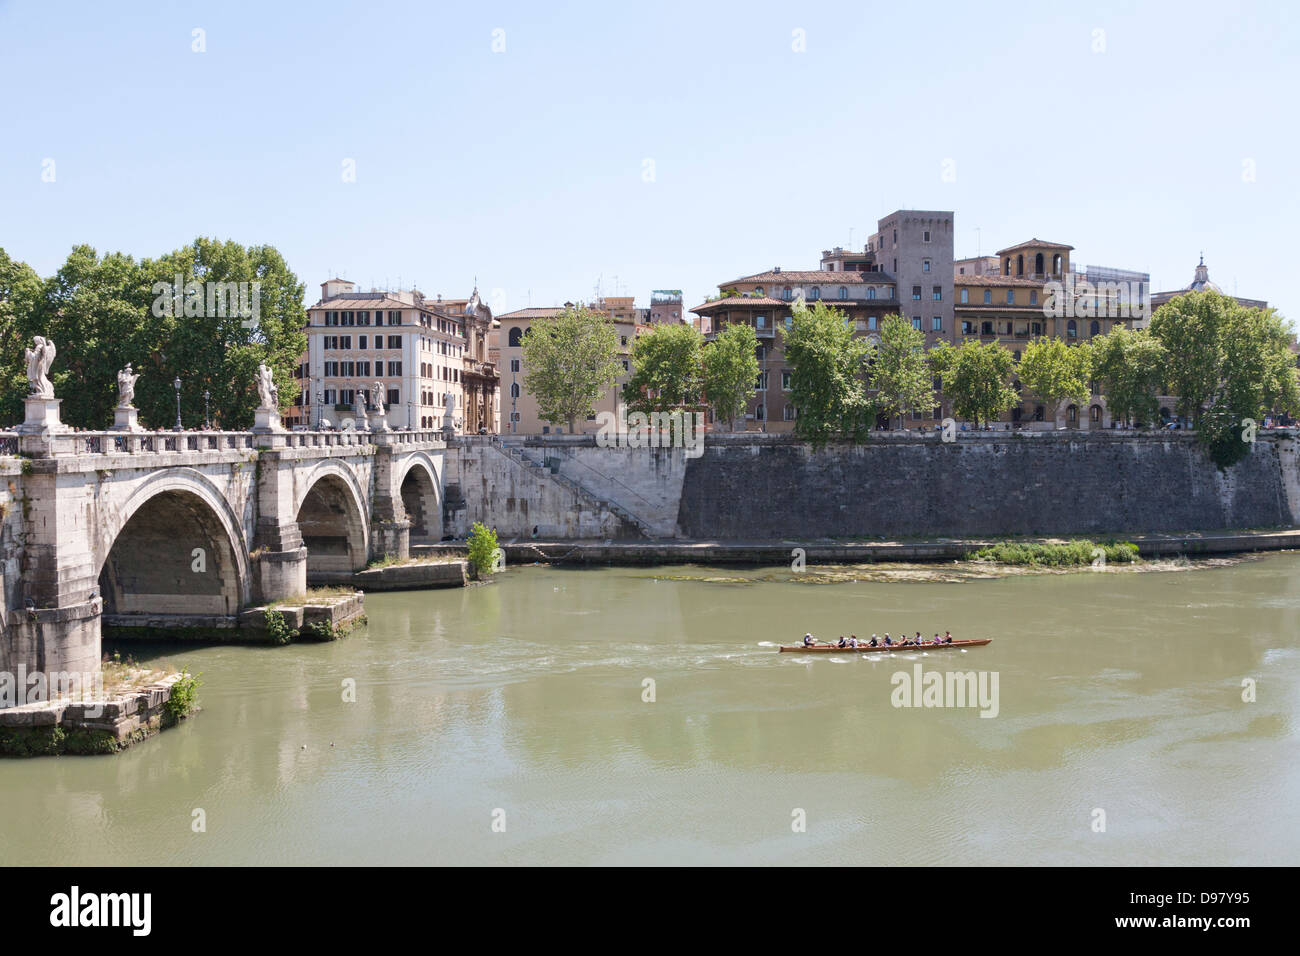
410, 415
177, 385
320, 411
207, 418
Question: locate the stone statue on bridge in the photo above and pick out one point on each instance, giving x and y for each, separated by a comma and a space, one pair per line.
126, 380
266, 417
267, 393
381, 416
39, 361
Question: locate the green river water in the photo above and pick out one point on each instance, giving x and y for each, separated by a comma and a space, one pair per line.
522, 702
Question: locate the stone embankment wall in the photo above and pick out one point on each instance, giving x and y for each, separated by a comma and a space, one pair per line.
769, 487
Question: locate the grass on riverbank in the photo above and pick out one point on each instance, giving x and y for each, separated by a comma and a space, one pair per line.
392, 560
1057, 554
319, 595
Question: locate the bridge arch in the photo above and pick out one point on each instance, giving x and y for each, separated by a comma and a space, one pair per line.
334, 521
175, 547
421, 498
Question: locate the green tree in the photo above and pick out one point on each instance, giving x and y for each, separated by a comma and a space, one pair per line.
21, 295
976, 379
1191, 329
483, 548
1055, 372
730, 368
826, 362
105, 311
1130, 365
1257, 376
900, 376
94, 310
665, 369
570, 362
215, 352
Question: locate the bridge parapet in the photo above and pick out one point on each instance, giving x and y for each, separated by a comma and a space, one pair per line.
168, 443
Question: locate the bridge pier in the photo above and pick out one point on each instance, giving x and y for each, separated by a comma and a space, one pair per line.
390, 528
279, 555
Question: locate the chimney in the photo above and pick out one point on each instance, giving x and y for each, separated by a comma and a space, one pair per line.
776, 268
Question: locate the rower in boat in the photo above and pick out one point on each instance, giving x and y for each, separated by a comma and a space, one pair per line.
936, 638
947, 637
842, 643
887, 641
808, 640
873, 642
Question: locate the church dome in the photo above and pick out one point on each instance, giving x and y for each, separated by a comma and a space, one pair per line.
1202, 283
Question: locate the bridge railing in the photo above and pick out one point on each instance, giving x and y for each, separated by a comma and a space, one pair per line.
167, 442
135, 443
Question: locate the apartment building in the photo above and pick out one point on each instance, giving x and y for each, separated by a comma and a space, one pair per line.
389, 346
905, 268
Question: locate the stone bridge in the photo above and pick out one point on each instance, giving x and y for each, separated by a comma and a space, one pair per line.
193, 526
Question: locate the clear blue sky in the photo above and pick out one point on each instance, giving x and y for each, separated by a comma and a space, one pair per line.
525, 168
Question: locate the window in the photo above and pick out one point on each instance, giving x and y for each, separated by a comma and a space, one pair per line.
758, 290
871, 293
363, 368
347, 369
916, 293
363, 318
936, 324
1011, 297
514, 365
347, 319
1071, 329
965, 296
937, 293
345, 341
395, 318
968, 328
347, 396
785, 379
1033, 297
988, 296
916, 322
761, 382
394, 369
331, 369
873, 322
891, 291
787, 294
394, 395
626, 368
791, 413
394, 341
622, 340
1095, 329
925, 265
844, 293
361, 341
926, 236
815, 293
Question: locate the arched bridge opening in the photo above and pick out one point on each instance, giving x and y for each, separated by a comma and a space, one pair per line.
173, 559
334, 531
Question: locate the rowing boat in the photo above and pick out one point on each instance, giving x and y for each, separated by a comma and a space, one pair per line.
867, 649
